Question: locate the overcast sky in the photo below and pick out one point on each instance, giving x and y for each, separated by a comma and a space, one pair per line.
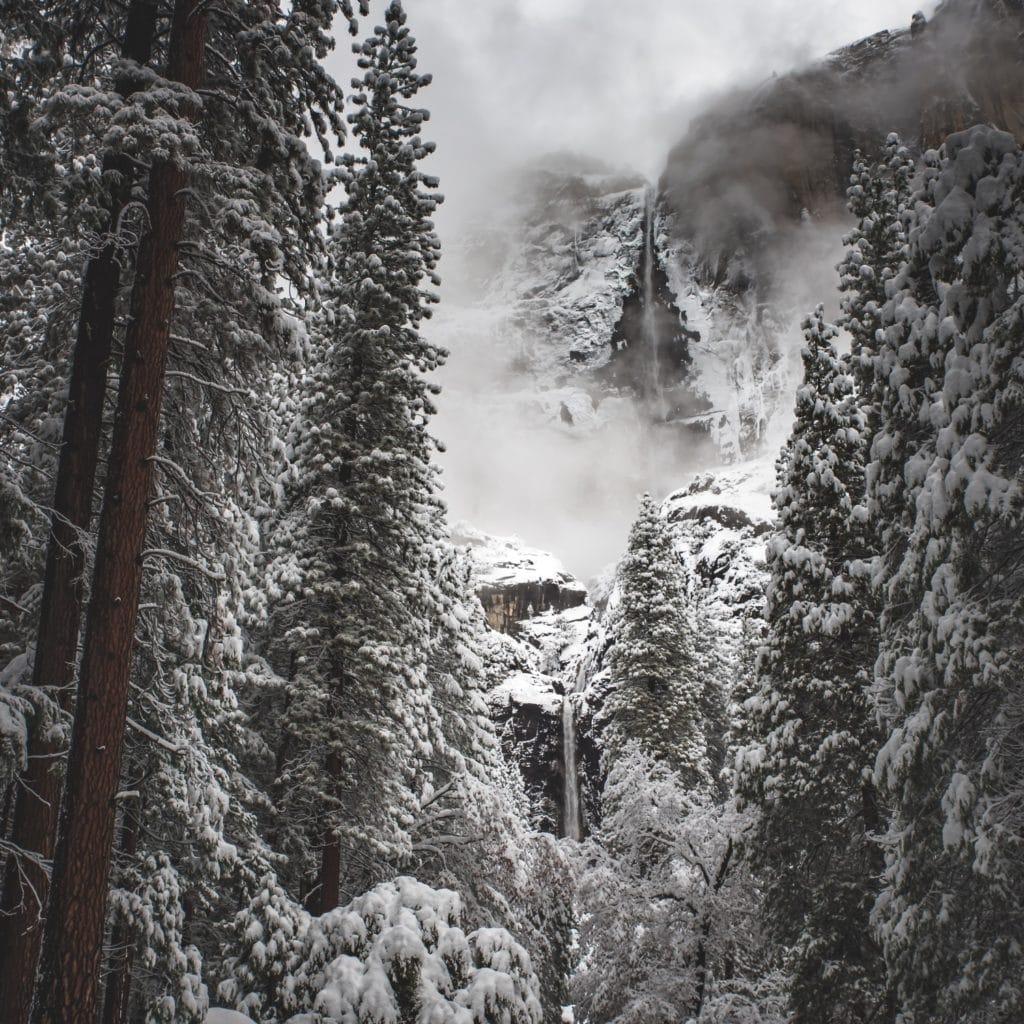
618, 78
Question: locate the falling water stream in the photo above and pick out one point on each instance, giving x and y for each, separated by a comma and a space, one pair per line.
571, 809
650, 320
573, 825
571, 812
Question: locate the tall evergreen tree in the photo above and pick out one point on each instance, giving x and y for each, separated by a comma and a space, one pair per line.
252, 218
950, 668
879, 198
808, 770
72, 946
38, 794
657, 695
352, 579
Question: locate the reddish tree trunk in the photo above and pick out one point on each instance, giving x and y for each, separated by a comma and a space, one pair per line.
330, 863
118, 993
38, 792
68, 982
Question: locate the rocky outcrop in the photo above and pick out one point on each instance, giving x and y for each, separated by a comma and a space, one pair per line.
721, 521
506, 604
527, 712
531, 675
553, 266
515, 582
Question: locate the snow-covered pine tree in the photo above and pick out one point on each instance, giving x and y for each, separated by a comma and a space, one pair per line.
253, 218
351, 575
721, 674
80, 206
656, 697
879, 198
186, 817
72, 944
467, 800
256, 224
949, 676
808, 768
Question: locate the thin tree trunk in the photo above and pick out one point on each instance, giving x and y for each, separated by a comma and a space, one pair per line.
119, 977
330, 865
67, 986
38, 790
705, 931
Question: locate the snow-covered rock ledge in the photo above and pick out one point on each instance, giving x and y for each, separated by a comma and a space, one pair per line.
515, 582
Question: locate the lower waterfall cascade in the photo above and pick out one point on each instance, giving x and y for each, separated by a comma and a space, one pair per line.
571, 813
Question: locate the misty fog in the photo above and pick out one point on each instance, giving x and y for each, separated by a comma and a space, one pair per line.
529, 452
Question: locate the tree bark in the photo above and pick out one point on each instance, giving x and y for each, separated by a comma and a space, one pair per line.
705, 930
39, 787
118, 992
68, 982
330, 864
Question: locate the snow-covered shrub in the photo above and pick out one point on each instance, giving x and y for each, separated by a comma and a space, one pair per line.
395, 955
669, 927
152, 915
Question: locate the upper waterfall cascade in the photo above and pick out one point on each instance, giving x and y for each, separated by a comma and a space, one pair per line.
651, 334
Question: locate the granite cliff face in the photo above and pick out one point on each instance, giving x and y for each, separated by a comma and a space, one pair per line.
596, 302
534, 653
746, 172
515, 582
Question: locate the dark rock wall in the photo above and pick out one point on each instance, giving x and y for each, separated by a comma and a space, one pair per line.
658, 379
505, 605
749, 168
531, 737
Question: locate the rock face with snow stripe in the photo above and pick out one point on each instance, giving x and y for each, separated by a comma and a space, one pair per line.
515, 582
592, 316
554, 269
534, 675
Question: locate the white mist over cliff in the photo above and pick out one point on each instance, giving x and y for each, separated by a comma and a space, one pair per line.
517, 78
551, 435
536, 271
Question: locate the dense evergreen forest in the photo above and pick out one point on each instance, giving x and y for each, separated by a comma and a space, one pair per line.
248, 768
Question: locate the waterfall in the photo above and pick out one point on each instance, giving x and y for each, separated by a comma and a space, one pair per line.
573, 823
650, 321
571, 803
